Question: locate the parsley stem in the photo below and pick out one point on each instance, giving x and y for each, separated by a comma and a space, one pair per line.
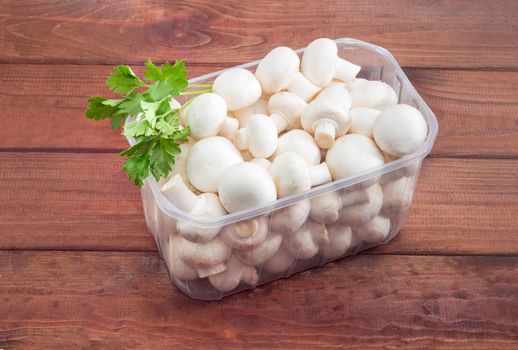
199, 85
195, 92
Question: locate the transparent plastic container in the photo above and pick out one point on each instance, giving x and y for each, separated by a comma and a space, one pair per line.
257, 246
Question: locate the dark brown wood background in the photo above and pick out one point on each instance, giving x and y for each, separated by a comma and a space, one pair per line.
78, 269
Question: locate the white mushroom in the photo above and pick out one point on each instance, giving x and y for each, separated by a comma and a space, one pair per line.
285, 110
280, 262
354, 83
238, 87
178, 267
290, 219
320, 63
258, 107
362, 120
326, 118
359, 214
244, 186
262, 252
262, 162
338, 94
208, 258
355, 195
208, 159
236, 273
325, 208
291, 174
301, 86
246, 234
351, 155
397, 195
340, 241
374, 231
305, 243
259, 136
206, 115
204, 205
400, 130
408, 170
229, 128
373, 93
277, 69
247, 156
300, 142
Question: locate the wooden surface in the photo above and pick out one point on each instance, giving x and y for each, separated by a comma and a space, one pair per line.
79, 270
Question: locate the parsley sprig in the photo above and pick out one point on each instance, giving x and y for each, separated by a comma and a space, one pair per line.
156, 126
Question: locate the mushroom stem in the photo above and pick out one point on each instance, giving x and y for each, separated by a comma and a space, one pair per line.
229, 128
345, 70
301, 86
325, 132
319, 174
179, 194
280, 121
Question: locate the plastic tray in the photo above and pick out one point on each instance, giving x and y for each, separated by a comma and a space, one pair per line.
397, 181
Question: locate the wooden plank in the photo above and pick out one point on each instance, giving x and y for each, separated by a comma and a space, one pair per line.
422, 33
84, 201
477, 111
124, 300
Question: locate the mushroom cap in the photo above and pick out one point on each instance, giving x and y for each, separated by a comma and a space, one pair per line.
238, 87
208, 159
208, 205
353, 154
205, 254
373, 93
325, 208
397, 195
290, 173
245, 186
356, 215
178, 267
262, 252
376, 230
280, 262
340, 241
318, 61
262, 136
235, 273
246, 234
305, 243
337, 93
300, 142
289, 219
354, 83
258, 107
362, 120
289, 105
326, 108
205, 115
400, 130
276, 69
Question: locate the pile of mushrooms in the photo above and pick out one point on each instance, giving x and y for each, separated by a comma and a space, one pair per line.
295, 124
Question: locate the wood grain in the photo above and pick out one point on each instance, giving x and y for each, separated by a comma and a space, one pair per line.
419, 34
93, 300
84, 201
477, 111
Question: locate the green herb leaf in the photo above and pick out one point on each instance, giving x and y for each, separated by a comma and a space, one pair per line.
98, 110
156, 129
123, 80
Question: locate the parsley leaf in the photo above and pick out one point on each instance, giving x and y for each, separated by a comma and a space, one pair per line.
99, 110
155, 127
123, 80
